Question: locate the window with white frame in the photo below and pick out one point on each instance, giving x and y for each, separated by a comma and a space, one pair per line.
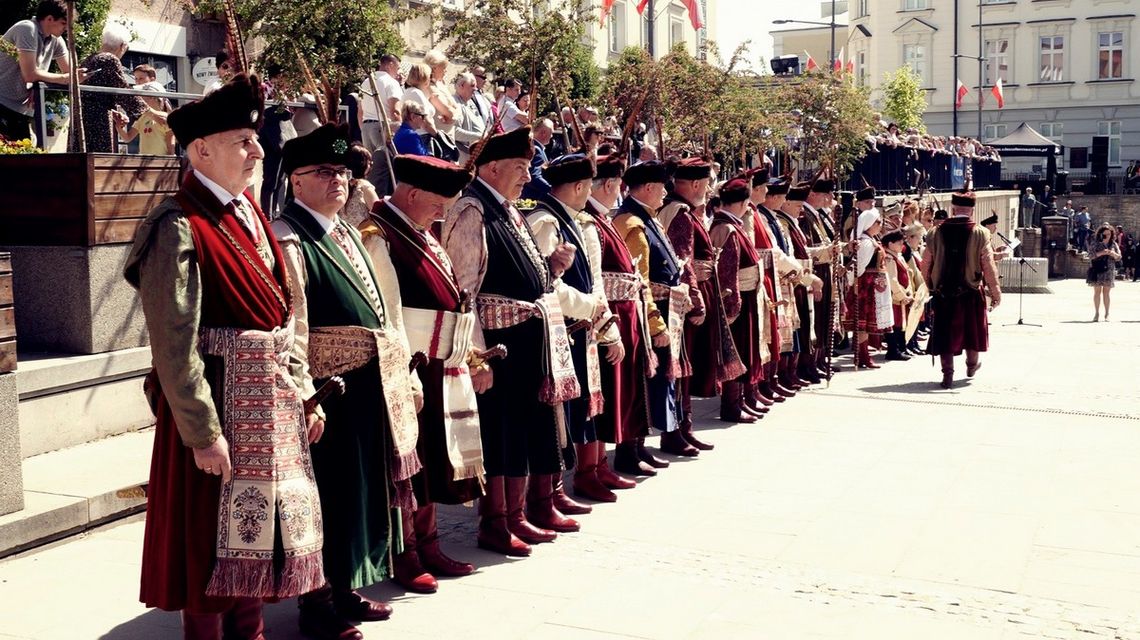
864, 9
676, 31
993, 132
1110, 50
997, 61
914, 56
861, 67
1055, 131
915, 5
617, 28
1052, 59
1111, 128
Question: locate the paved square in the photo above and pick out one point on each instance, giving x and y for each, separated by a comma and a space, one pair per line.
882, 507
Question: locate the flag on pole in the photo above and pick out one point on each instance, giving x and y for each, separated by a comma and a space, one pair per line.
837, 66
851, 66
998, 94
694, 14
810, 61
607, 5
640, 5
959, 94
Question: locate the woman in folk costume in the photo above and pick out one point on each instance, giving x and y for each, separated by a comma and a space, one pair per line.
914, 234
222, 533
366, 459
902, 293
416, 275
870, 297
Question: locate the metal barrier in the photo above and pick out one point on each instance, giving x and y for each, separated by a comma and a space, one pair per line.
898, 170
42, 89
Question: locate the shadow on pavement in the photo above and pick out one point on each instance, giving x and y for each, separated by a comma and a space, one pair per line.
916, 387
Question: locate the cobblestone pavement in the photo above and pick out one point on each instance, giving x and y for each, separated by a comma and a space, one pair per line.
880, 507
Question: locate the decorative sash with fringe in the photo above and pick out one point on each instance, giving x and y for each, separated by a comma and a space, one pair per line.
445, 335
560, 382
337, 350
621, 287
679, 305
272, 489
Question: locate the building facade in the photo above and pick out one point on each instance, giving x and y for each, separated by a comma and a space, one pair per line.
661, 26
814, 39
1067, 66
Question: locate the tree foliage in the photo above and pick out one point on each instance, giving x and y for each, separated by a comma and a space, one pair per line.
830, 117
904, 101
539, 42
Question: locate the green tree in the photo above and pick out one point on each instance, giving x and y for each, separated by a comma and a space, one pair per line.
904, 101
634, 84
531, 40
830, 117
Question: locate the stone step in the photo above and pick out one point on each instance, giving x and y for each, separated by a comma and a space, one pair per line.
74, 489
67, 400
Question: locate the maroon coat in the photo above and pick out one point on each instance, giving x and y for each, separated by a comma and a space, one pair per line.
626, 414
744, 313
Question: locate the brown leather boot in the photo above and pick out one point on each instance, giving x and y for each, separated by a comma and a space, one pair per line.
244, 620
732, 404
540, 509
606, 476
586, 482
427, 546
201, 626
494, 534
973, 363
626, 460
350, 605
564, 503
674, 443
947, 371
320, 619
516, 519
645, 456
687, 434
407, 570
865, 361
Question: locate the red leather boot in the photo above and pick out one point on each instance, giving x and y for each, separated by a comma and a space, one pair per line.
494, 533
586, 482
540, 509
427, 545
407, 570
606, 475
517, 520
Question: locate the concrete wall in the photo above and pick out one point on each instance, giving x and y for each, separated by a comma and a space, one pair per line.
1121, 210
11, 473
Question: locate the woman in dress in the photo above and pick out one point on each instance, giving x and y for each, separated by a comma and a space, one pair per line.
361, 194
446, 107
870, 297
105, 69
1104, 253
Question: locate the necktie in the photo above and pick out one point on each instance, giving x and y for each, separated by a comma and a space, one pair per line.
247, 218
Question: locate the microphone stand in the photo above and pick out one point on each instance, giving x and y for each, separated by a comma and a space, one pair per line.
1022, 263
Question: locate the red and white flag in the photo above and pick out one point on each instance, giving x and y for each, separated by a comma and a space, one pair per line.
810, 61
607, 5
960, 94
837, 66
641, 5
694, 8
998, 94
851, 66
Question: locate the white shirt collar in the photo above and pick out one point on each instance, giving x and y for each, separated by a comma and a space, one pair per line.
223, 196
649, 209
565, 206
498, 196
403, 216
326, 224
731, 215
599, 206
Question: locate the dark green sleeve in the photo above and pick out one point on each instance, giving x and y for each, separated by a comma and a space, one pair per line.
170, 289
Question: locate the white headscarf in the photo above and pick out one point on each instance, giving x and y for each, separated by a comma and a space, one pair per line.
866, 219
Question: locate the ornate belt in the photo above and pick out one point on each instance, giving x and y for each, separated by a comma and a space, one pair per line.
748, 278
441, 335
501, 312
621, 286
707, 271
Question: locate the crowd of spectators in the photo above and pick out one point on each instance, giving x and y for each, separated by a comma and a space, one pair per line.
889, 136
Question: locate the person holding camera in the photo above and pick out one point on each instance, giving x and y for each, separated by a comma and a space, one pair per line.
1104, 252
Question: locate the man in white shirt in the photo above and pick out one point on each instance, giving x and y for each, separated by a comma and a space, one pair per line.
513, 117
482, 103
388, 90
469, 122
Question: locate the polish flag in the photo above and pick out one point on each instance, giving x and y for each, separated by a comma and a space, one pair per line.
851, 66
810, 61
694, 13
998, 94
640, 5
838, 64
960, 94
607, 5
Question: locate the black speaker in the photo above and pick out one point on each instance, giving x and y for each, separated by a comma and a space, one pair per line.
1078, 157
786, 65
1099, 154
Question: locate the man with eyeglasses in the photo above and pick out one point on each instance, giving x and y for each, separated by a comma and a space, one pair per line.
482, 102
366, 457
